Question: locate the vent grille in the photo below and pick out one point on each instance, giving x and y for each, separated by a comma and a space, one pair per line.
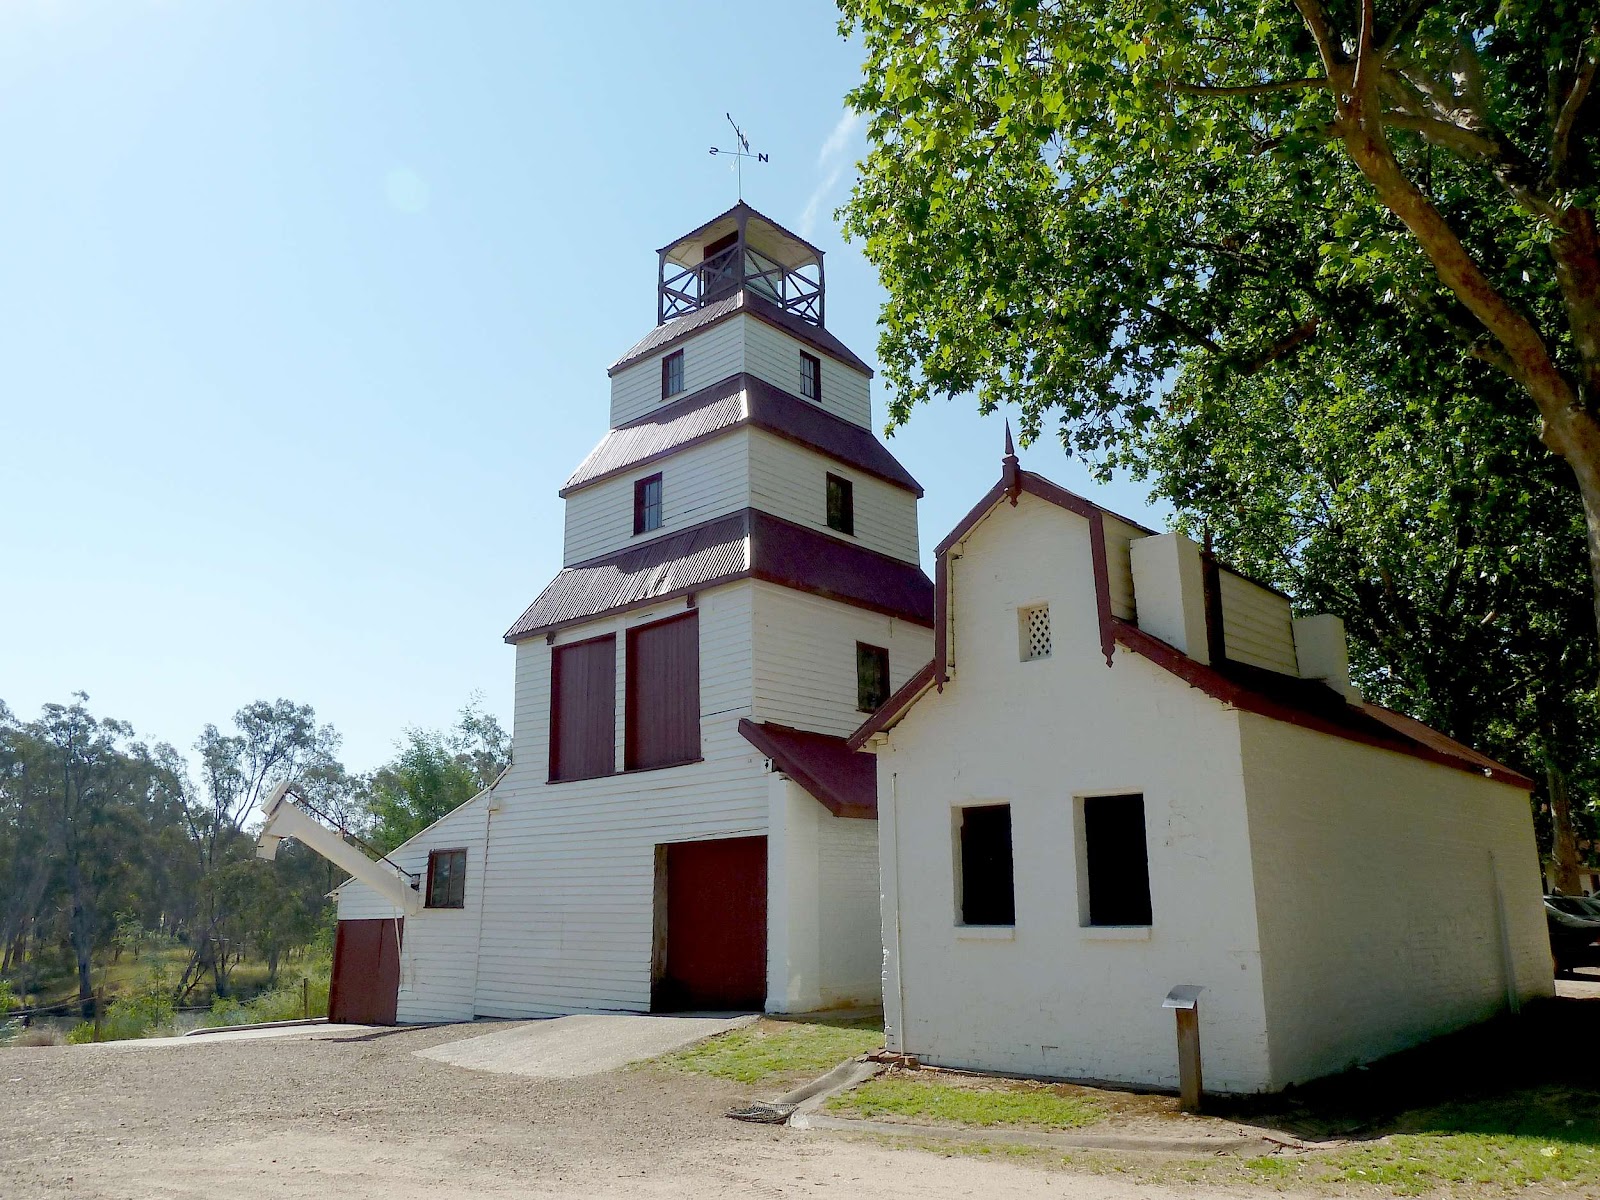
1035, 629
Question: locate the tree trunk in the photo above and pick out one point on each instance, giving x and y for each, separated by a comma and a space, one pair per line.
1563, 837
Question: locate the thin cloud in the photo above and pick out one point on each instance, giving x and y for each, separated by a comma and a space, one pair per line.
831, 159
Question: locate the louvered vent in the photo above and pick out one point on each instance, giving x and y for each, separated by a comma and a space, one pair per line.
1035, 630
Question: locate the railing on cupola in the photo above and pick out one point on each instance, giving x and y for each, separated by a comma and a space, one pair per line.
741, 248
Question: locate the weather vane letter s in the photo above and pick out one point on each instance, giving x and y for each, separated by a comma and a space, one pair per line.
740, 152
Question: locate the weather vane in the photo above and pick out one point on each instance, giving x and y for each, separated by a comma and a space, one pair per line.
740, 153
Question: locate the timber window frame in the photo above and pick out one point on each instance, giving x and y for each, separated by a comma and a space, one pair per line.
583, 709
647, 504
840, 501
872, 677
672, 374
447, 878
810, 377
1113, 851
985, 866
662, 694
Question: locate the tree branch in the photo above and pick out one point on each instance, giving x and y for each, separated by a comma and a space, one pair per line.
1249, 89
1561, 136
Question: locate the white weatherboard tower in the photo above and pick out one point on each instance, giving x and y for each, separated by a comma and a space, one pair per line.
683, 825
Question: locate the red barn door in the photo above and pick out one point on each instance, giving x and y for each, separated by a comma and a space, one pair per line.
716, 927
365, 987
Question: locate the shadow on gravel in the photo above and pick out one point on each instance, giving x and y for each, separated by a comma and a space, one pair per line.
1535, 1075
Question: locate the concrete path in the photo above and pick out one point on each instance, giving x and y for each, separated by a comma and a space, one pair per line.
570, 1047
321, 1030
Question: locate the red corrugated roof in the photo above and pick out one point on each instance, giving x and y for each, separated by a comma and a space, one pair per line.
749, 544
729, 404
843, 780
746, 301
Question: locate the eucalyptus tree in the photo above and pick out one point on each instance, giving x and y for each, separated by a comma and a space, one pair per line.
1071, 203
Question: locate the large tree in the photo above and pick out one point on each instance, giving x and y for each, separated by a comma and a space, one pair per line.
1071, 203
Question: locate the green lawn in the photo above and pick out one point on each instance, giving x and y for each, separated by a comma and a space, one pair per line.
772, 1050
937, 1101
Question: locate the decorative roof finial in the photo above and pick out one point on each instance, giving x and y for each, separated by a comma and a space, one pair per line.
1011, 469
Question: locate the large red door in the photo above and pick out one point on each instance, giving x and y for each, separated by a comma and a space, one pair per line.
365, 987
716, 935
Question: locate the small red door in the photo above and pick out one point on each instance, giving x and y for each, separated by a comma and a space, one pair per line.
365, 987
716, 931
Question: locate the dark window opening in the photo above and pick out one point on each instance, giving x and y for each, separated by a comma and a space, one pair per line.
841, 505
663, 705
647, 504
872, 677
987, 897
810, 376
1117, 860
583, 710
447, 879
672, 374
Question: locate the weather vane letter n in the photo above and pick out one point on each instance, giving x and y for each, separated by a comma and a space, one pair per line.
739, 153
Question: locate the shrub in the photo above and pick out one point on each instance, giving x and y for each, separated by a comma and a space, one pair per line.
40, 1035
8, 998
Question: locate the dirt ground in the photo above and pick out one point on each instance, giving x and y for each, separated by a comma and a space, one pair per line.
361, 1116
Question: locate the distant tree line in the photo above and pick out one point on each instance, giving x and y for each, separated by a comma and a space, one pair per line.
105, 838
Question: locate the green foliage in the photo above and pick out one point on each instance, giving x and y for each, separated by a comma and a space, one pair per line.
8, 998
434, 773
286, 1003
771, 1050
914, 1098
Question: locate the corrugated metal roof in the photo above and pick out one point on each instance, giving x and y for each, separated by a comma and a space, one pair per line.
747, 544
710, 410
746, 301
738, 400
844, 781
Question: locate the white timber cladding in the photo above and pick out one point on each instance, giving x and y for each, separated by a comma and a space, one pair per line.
790, 481
1119, 565
1256, 624
708, 356
1380, 882
1050, 996
805, 658
698, 484
570, 883
741, 343
438, 946
773, 355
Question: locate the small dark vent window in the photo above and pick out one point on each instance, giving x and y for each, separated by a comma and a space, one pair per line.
872, 677
672, 374
447, 879
647, 504
841, 505
810, 376
1117, 860
986, 886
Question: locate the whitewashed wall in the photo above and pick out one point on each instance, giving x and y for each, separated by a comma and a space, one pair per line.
773, 355
823, 949
438, 948
791, 482
805, 658
1050, 996
698, 484
710, 356
741, 343
1379, 909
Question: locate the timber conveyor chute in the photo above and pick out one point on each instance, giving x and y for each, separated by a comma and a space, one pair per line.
290, 815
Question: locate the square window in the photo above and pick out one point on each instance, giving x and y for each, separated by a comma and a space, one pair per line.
1033, 629
986, 891
872, 677
672, 374
447, 879
1114, 861
647, 504
810, 376
841, 505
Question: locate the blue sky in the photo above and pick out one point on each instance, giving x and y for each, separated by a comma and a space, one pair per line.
305, 310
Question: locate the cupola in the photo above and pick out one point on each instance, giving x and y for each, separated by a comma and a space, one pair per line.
740, 249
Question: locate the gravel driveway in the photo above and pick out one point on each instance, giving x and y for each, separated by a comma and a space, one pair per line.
360, 1115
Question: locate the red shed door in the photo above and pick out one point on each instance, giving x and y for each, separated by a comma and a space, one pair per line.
365, 987
716, 935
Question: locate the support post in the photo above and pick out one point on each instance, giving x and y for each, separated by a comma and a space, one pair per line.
305, 998
1185, 1001
99, 1010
